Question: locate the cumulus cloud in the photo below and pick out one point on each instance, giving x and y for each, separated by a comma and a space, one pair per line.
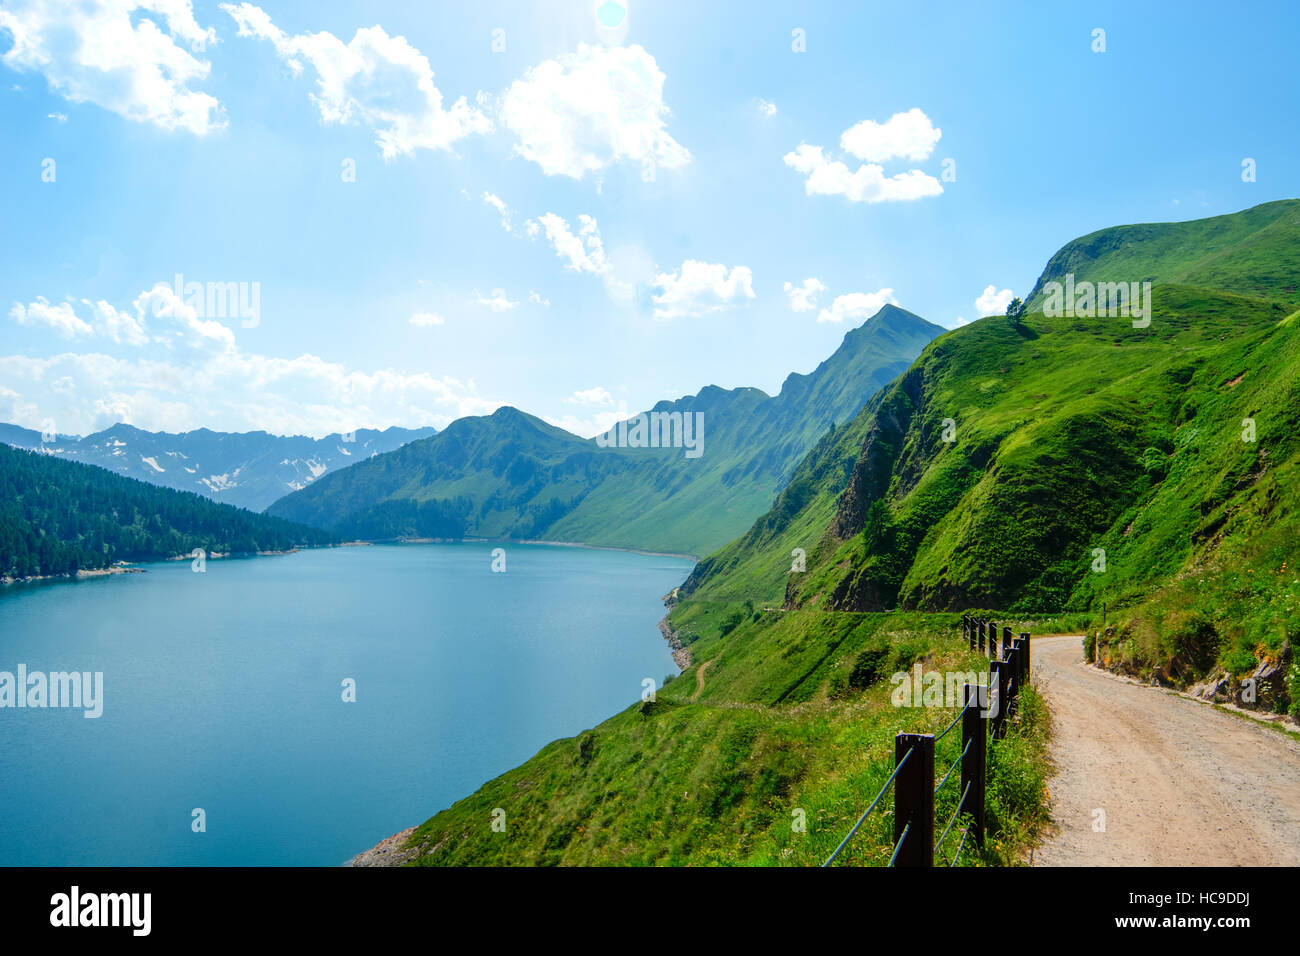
857, 305
766, 108
536, 298
584, 252
123, 327
596, 422
61, 318
497, 301
375, 79
908, 135
175, 321
582, 112
701, 287
136, 59
214, 383
869, 184
993, 302
803, 297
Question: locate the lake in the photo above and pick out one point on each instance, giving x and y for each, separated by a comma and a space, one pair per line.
223, 691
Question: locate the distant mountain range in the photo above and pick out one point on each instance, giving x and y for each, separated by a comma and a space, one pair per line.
246, 469
510, 475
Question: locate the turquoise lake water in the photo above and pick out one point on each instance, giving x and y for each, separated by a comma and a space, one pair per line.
224, 691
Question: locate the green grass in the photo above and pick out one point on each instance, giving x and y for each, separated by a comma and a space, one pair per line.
716, 778
1073, 437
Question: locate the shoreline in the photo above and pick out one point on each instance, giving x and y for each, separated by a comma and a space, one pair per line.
603, 547
77, 575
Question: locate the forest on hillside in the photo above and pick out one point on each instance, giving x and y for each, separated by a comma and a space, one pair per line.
59, 517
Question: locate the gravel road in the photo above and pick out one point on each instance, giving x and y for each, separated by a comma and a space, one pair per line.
1180, 783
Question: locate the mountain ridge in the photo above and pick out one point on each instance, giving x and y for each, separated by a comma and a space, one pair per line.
561, 487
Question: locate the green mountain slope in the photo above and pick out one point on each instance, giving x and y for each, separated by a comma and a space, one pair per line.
1069, 438
1252, 252
59, 517
509, 475
1091, 461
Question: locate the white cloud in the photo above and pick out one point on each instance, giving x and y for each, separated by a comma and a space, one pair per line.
57, 117
426, 319
61, 318
135, 59
597, 424
591, 396
497, 203
585, 251
119, 325
375, 79
187, 327
803, 298
857, 305
868, 184
497, 301
179, 321
766, 108
908, 135
218, 387
993, 302
536, 299
701, 287
962, 320
584, 111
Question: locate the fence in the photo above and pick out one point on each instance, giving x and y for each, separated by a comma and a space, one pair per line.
981, 722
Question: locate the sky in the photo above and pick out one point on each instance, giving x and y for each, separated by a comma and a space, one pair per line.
314, 217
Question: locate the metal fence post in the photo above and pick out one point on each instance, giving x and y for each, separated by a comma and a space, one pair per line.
914, 800
974, 743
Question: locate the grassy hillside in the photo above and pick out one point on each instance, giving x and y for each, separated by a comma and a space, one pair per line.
59, 517
510, 475
1073, 437
783, 718
993, 473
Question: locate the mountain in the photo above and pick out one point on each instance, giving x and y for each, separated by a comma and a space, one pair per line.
1037, 467
246, 469
510, 475
1091, 461
59, 517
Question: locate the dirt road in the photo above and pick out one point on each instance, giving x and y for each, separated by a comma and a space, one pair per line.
1179, 782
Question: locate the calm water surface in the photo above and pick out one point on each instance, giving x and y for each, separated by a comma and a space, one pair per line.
223, 691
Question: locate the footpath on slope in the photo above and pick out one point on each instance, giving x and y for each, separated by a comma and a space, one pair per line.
1179, 783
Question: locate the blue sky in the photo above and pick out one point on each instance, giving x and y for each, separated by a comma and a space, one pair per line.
657, 197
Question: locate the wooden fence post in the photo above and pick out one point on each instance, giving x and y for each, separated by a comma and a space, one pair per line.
974, 743
1024, 636
993, 642
914, 800
998, 688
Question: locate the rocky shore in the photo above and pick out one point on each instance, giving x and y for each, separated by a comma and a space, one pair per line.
75, 576
681, 653
390, 852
